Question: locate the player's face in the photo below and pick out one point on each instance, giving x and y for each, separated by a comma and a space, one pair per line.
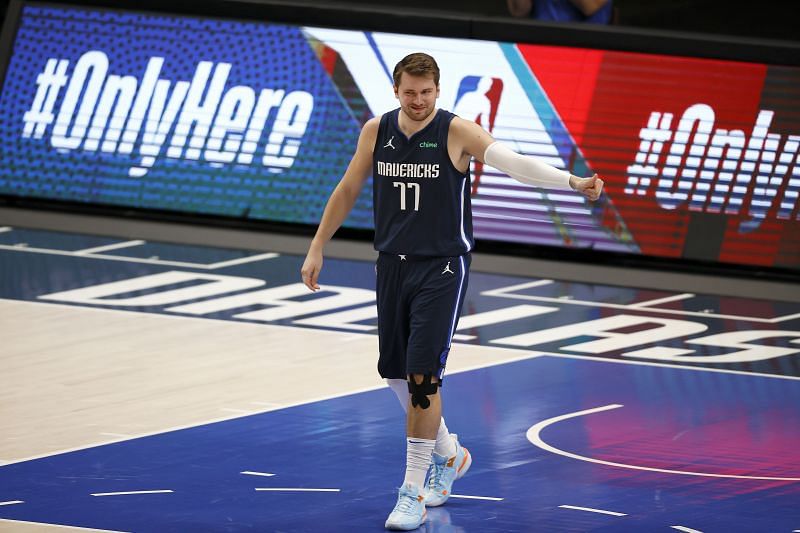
417, 95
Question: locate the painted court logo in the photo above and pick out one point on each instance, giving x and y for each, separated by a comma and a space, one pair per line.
123, 114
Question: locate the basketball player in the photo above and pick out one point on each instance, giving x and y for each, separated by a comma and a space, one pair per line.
419, 158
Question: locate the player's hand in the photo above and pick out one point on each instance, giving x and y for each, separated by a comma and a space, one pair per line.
591, 188
311, 268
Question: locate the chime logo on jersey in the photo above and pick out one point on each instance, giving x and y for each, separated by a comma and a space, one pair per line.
116, 113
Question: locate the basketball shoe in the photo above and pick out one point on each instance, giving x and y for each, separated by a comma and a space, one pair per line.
444, 471
409, 511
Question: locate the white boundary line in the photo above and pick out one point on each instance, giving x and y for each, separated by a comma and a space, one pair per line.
667, 365
132, 492
785, 318
591, 510
203, 266
241, 260
489, 498
107, 247
12, 502
503, 292
6, 229
687, 529
650, 303
527, 285
533, 435
10, 521
294, 489
251, 473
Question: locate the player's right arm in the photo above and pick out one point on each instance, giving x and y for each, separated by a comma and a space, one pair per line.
341, 202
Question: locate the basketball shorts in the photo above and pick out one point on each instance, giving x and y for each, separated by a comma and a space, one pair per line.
419, 302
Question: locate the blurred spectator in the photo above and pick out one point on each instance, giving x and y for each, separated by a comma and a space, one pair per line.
593, 11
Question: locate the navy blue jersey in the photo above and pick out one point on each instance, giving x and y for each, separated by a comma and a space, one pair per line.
421, 201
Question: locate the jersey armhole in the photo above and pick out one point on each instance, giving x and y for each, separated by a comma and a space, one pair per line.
447, 150
381, 128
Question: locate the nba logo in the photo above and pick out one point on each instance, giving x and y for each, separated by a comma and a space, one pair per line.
477, 99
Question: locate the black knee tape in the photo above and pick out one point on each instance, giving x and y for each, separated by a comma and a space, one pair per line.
420, 391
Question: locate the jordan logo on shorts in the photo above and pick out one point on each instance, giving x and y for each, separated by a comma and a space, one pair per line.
447, 269
389, 144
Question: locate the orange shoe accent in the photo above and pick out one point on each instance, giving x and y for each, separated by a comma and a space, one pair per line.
444, 492
466, 456
420, 498
451, 462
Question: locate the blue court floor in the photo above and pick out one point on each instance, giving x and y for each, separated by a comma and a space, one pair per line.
603, 428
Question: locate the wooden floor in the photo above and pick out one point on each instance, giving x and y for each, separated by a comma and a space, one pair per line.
75, 377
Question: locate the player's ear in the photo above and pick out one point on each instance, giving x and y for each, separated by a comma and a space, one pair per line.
437, 91
396, 93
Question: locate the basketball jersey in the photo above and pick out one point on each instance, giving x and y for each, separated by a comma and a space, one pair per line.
421, 201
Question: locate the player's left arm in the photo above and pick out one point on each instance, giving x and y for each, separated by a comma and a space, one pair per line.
473, 141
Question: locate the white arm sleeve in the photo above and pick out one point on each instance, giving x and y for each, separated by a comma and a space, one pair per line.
528, 170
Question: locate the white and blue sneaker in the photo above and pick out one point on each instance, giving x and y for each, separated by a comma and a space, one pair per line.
409, 511
444, 471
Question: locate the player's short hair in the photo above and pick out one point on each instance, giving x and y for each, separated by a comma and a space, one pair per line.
416, 64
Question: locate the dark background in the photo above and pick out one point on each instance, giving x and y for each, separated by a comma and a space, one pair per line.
764, 19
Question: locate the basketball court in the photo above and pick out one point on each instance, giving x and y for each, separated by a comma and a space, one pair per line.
153, 386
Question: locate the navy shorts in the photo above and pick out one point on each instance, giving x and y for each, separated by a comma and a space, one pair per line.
419, 302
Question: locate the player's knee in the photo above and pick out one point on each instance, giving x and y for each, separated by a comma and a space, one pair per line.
421, 386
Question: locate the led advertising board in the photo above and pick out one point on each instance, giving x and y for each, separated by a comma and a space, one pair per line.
257, 120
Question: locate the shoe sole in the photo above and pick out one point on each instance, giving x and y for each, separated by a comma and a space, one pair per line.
400, 528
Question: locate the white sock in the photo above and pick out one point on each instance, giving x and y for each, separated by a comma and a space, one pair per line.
444, 443
418, 459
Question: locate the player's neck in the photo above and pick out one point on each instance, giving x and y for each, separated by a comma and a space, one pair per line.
409, 126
